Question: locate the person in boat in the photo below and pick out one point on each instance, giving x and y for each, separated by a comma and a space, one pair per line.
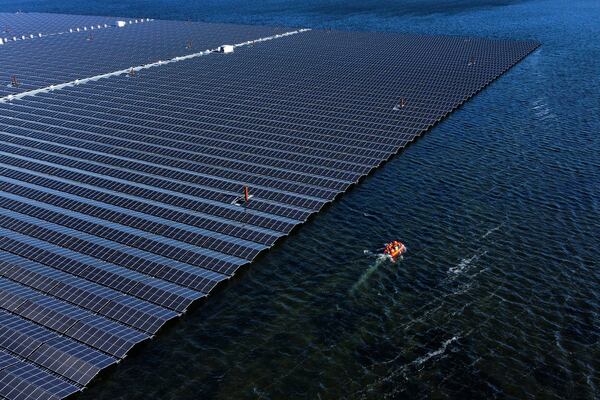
389, 249
400, 247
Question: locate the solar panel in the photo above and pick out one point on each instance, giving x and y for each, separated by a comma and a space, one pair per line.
21, 337
103, 334
6, 360
70, 359
25, 381
133, 187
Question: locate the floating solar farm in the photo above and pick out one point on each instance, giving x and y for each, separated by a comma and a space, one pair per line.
141, 164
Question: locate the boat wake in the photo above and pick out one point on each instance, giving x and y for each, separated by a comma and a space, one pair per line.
465, 264
441, 350
541, 109
380, 259
494, 229
407, 369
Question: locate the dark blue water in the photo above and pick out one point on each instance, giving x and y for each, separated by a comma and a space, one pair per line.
499, 296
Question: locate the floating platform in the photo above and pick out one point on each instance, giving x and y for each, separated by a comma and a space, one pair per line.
125, 145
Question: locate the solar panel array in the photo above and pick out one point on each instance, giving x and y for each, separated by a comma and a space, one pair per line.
120, 198
15, 25
51, 60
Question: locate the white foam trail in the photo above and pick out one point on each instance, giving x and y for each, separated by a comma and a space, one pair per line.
589, 378
404, 369
489, 232
542, 109
125, 71
464, 264
379, 260
435, 353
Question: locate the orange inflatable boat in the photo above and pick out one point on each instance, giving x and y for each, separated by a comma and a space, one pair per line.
394, 249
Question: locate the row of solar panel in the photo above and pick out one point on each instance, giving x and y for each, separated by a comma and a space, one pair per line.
75, 322
39, 333
203, 173
178, 114
190, 234
221, 142
97, 298
120, 278
170, 200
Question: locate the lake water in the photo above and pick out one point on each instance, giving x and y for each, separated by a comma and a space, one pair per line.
499, 205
